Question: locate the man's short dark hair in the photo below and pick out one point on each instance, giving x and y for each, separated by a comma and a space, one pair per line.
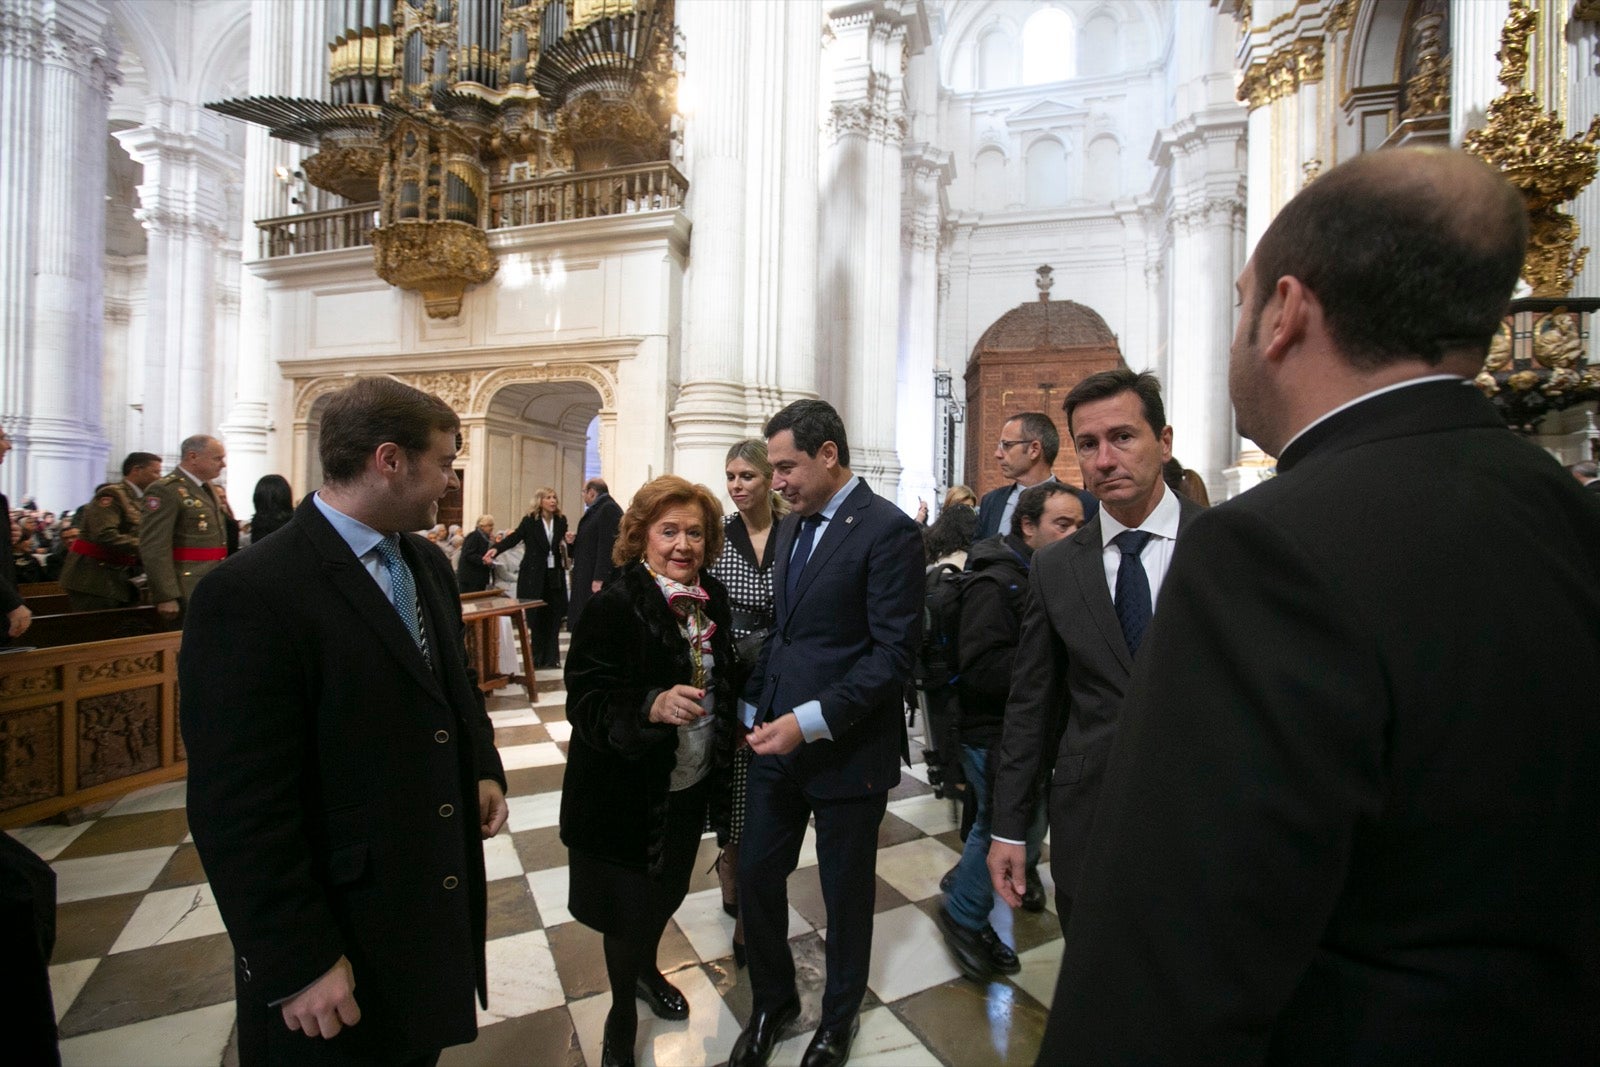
1037, 426
812, 422
1401, 271
1109, 383
374, 411
135, 460
1031, 502
598, 485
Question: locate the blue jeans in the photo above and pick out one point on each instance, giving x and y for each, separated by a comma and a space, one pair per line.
971, 895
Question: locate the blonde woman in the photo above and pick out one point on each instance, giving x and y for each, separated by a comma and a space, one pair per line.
543, 533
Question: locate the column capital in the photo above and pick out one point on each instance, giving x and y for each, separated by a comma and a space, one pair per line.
76, 38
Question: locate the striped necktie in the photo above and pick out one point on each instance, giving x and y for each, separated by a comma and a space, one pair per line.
403, 590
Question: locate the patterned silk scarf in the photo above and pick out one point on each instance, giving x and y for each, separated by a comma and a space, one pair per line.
686, 602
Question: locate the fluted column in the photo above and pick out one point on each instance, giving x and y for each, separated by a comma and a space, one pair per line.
859, 243
57, 66
1583, 104
182, 207
1208, 215
709, 413
797, 265
928, 173
1474, 71
284, 60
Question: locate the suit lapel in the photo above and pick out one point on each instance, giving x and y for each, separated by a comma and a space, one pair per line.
350, 579
1088, 567
784, 535
834, 532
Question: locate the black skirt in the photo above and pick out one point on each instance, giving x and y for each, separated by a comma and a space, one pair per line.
618, 899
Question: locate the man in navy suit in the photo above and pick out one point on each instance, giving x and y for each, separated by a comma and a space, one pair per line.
828, 733
1026, 452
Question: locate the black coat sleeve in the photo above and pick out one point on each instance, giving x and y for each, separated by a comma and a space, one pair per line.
612, 681
605, 537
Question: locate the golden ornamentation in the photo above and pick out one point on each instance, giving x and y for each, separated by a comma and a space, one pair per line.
351, 171
438, 259
1523, 380
121, 667
1499, 357
1556, 343
1428, 88
1282, 73
602, 132
1341, 16
1529, 146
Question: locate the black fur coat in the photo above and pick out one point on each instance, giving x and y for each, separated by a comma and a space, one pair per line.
627, 648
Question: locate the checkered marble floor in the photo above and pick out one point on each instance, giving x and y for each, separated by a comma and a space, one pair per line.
142, 972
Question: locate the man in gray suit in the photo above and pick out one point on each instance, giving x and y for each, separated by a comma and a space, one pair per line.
1090, 598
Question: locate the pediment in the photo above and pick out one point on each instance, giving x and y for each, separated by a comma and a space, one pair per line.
1045, 111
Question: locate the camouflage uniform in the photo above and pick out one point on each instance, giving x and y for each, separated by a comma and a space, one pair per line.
101, 563
182, 536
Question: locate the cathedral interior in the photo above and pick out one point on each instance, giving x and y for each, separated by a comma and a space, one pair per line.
616, 236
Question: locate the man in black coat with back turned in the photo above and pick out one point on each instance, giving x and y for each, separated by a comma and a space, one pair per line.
342, 770
1350, 815
591, 546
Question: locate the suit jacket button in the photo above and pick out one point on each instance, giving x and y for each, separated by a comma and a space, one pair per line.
451, 881
445, 811
787, 639
441, 736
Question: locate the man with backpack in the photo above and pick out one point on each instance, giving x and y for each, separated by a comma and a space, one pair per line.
992, 593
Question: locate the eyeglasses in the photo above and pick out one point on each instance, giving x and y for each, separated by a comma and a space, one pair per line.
1006, 446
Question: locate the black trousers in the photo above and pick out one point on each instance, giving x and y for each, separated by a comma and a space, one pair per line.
544, 624
777, 810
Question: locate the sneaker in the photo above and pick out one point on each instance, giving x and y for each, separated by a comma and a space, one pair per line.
1033, 899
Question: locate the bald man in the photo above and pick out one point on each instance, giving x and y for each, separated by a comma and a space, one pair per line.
1350, 816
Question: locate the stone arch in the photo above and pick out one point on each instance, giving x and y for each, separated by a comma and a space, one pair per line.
601, 377
1049, 46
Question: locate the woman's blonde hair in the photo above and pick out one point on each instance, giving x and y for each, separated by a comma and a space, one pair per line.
653, 498
753, 450
536, 505
960, 494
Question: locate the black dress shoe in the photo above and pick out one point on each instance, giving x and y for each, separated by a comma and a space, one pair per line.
662, 996
610, 1057
980, 953
738, 954
756, 1043
1033, 898
830, 1047
949, 879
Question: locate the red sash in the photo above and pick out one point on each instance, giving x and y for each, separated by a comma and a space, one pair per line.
103, 554
198, 555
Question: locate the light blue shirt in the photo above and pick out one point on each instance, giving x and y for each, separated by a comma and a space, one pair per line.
362, 539
813, 727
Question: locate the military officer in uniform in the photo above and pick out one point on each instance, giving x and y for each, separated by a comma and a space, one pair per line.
98, 571
184, 532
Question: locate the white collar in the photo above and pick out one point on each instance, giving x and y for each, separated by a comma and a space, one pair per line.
1162, 520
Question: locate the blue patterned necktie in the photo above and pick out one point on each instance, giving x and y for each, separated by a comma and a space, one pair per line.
802, 552
403, 589
1133, 587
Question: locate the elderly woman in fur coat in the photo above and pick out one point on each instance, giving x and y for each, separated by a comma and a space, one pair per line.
651, 696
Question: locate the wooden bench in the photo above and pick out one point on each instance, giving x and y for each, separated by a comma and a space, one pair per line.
89, 713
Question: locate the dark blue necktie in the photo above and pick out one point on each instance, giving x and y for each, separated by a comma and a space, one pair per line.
802, 552
1133, 587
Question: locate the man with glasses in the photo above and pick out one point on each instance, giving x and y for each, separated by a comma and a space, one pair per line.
1026, 450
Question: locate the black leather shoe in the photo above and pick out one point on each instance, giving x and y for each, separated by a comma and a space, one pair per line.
1033, 899
610, 1057
949, 879
756, 1043
980, 953
662, 996
831, 1048
738, 954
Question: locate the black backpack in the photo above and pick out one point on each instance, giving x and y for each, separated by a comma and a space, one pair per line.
938, 658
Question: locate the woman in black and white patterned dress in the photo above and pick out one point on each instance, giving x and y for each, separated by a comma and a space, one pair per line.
745, 568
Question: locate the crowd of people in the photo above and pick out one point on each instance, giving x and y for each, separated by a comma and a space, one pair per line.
1311, 798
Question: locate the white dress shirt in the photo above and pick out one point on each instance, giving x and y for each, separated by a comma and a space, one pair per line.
1157, 553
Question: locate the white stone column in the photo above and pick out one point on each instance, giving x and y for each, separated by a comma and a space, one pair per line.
1583, 104
709, 412
286, 58
928, 173
1474, 72
57, 65
797, 264
182, 207
1208, 215
859, 244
